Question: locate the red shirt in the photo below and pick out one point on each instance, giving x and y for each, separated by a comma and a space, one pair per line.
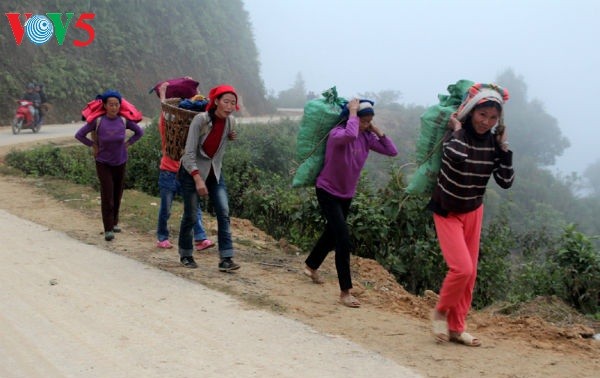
166, 163
213, 139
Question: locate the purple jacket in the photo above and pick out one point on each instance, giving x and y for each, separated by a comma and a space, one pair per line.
345, 155
111, 139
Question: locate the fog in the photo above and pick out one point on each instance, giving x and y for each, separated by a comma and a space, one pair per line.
418, 47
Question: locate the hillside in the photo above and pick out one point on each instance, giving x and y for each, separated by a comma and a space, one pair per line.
551, 339
136, 44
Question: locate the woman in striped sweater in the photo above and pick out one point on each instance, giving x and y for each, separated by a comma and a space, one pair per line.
471, 154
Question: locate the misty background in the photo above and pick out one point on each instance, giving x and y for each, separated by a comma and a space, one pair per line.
420, 47
540, 238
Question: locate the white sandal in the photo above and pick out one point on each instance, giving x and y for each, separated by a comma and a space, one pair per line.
440, 329
466, 339
313, 275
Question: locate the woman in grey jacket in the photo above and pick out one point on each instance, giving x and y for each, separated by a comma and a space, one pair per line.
200, 174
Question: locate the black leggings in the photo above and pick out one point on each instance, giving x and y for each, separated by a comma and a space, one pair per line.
336, 236
112, 182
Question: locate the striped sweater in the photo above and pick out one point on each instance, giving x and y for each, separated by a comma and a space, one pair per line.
468, 161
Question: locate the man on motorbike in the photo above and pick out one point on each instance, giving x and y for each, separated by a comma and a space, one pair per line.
34, 97
39, 88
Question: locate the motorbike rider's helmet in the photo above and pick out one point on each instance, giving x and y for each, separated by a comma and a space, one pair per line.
30, 86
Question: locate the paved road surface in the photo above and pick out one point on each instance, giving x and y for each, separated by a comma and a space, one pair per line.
68, 309
46, 132
65, 130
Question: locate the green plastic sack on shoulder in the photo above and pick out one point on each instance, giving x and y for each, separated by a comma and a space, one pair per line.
320, 116
434, 123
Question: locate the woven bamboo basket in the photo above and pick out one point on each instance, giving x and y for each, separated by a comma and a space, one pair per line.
177, 125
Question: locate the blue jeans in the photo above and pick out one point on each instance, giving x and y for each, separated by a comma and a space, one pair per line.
217, 193
169, 187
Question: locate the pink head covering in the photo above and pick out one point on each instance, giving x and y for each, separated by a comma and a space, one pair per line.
480, 93
218, 91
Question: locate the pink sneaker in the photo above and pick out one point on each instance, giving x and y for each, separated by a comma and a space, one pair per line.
166, 244
204, 244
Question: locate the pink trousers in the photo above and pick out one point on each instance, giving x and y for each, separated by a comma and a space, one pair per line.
459, 236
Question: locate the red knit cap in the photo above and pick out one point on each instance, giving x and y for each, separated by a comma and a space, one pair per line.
218, 91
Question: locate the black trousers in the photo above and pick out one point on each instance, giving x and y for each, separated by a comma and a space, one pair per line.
336, 236
112, 181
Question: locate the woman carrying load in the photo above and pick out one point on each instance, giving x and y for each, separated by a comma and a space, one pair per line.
201, 174
472, 152
347, 150
110, 143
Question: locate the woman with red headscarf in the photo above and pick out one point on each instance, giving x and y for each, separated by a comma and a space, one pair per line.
200, 174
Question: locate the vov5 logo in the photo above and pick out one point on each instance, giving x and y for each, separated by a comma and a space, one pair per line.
39, 28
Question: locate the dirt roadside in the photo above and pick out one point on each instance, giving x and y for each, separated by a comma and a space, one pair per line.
68, 309
391, 321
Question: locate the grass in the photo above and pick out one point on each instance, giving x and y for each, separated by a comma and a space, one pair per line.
141, 211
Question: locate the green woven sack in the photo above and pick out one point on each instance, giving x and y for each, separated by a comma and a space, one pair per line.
434, 125
320, 116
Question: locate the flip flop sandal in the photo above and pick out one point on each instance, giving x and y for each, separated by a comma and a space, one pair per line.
440, 330
466, 339
350, 301
314, 276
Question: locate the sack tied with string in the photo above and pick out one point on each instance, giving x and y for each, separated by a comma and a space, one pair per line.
320, 116
434, 125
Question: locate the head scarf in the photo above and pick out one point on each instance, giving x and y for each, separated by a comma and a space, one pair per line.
365, 108
218, 91
110, 93
478, 94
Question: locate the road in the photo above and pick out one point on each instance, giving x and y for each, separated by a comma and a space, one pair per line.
69, 129
46, 132
69, 309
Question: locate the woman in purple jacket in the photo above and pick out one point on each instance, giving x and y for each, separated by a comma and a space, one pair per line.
348, 147
110, 145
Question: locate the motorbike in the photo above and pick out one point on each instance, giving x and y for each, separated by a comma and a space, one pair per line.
23, 118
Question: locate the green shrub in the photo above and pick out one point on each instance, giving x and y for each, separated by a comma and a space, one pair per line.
411, 250
74, 163
533, 274
144, 161
578, 264
494, 272
270, 147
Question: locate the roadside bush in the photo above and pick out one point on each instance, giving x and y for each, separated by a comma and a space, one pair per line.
567, 267
240, 175
270, 147
76, 163
144, 161
578, 265
494, 268
411, 251
369, 227
72, 163
534, 274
